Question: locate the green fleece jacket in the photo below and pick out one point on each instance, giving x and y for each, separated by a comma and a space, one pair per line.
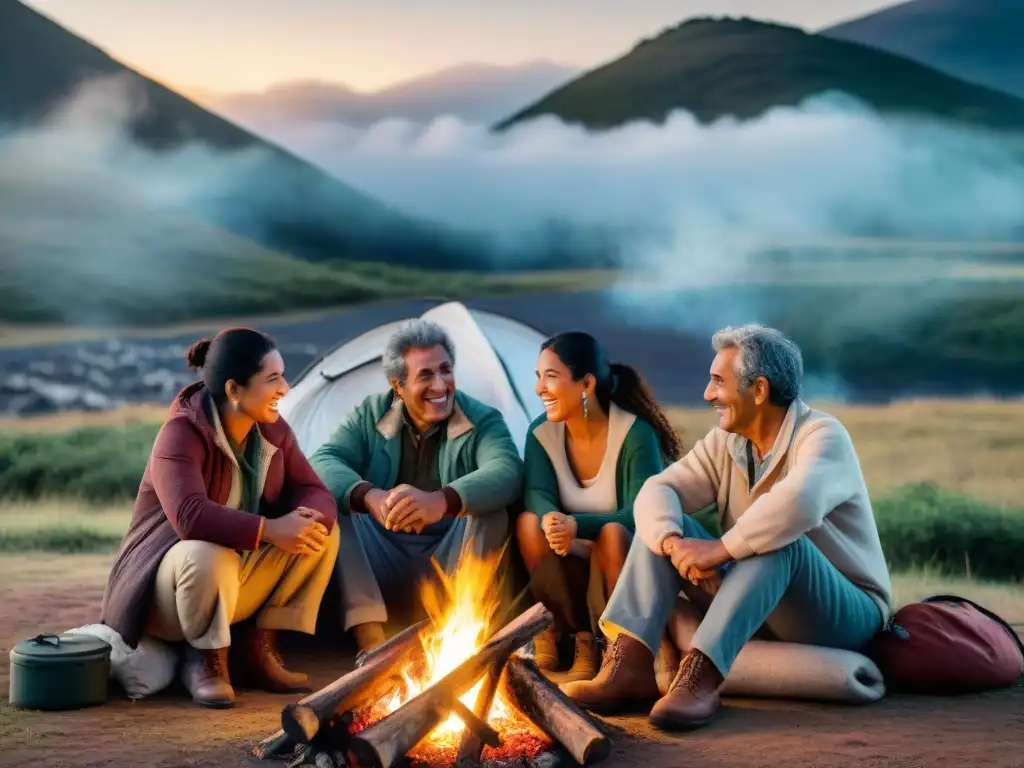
477, 459
639, 459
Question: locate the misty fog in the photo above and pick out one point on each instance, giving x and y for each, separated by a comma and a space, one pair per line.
688, 205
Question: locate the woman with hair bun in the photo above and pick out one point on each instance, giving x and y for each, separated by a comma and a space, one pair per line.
230, 524
602, 435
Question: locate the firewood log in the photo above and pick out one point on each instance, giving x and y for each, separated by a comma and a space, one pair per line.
302, 721
527, 689
274, 746
472, 746
385, 742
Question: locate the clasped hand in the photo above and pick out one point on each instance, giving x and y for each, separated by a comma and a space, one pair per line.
300, 532
405, 508
560, 531
697, 560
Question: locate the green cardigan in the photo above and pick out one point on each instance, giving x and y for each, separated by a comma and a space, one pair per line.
478, 458
639, 458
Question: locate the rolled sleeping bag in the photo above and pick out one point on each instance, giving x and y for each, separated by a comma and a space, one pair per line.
772, 669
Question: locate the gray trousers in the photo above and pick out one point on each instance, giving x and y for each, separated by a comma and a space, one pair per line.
794, 593
380, 571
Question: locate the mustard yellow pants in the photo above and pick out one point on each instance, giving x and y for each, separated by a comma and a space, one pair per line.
203, 588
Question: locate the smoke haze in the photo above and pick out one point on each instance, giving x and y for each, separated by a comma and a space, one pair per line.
681, 205
693, 205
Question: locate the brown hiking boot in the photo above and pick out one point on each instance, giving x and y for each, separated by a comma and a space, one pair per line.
587, 661
264, 666
625, 680
205, 675
545, 650
692, 699
368, 636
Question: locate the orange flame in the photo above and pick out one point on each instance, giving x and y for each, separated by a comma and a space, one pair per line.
461, 610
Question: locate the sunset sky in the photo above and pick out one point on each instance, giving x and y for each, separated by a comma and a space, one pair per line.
246, 45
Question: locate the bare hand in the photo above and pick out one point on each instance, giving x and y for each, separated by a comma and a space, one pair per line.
374, 501
297, 533
313, 514
560, 531
410, 510
696, 560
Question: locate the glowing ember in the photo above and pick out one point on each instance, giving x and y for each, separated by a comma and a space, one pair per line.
460, 610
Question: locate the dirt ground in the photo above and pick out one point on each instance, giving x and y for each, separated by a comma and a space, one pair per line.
168, 731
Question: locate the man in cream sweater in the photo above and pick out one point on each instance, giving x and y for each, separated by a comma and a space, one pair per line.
799, 560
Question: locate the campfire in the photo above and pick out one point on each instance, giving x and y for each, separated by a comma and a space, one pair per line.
447, 691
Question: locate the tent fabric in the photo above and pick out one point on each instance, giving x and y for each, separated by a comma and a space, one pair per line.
495, 362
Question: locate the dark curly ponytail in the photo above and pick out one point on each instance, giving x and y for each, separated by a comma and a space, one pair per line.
615, 383
631, 393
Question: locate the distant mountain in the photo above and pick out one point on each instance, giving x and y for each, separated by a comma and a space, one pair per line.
981, 41
280, 201
479, 93
715, 68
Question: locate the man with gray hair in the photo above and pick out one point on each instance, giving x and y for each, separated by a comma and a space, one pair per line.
799, 560
421, 471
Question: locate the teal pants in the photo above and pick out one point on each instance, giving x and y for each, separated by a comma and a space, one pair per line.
794, 593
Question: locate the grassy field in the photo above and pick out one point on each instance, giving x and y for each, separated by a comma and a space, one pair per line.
942, 474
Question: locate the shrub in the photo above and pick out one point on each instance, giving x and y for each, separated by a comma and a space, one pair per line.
96, 464
924, 526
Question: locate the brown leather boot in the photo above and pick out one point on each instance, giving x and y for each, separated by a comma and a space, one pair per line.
368, 636
264, 666
587, 661
624, 682
692, 699
545, 650
205, 675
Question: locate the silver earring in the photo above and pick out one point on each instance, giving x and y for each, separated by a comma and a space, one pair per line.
584, 405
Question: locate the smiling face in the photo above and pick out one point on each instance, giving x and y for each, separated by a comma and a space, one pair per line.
258, 399
736, 407
429, 389
562, 397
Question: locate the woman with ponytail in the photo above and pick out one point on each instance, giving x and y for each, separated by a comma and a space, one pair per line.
231, 523
602, 435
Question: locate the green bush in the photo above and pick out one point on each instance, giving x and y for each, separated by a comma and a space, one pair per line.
924, 526
76, 540
96, 464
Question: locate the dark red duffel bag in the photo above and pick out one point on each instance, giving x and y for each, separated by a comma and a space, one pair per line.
948, 645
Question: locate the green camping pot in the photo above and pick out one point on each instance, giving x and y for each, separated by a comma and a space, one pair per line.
59, 672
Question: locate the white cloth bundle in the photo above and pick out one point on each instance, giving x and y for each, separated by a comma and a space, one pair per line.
141, 671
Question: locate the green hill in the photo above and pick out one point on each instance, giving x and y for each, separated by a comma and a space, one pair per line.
81, 256
978, 41
742, 68
281, 201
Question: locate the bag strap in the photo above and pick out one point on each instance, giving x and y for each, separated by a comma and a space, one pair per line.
982, 609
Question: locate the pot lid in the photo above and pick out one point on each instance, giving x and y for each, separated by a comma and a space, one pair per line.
51, 646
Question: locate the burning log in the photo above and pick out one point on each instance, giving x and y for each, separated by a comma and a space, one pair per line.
385, 742
472, 746
275, 745
553, 712
302, 721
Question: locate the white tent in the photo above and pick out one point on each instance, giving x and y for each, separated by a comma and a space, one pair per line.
495, 362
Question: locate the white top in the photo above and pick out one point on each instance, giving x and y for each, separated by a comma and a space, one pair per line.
595, 494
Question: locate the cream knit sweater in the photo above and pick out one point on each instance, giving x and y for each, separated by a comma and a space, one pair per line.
813, 486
